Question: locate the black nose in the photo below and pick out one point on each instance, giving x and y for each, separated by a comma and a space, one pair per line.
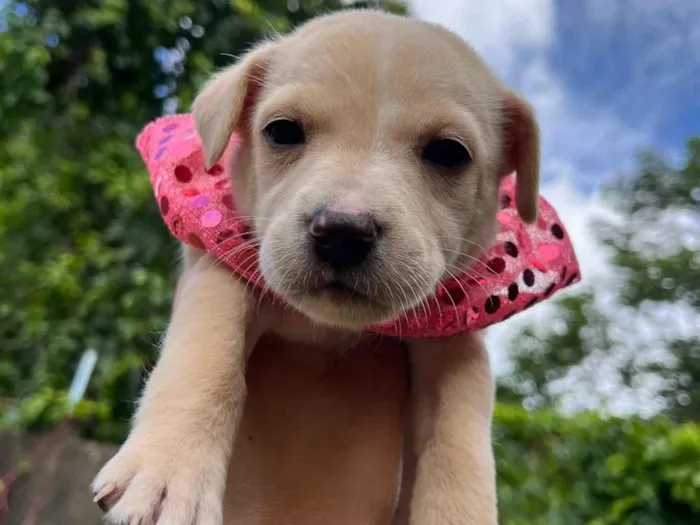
341, 239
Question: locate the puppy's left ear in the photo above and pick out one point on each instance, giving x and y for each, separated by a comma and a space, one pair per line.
224, 102
522, 154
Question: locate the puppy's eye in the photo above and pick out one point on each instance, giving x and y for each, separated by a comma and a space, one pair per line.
447, 153
284, 132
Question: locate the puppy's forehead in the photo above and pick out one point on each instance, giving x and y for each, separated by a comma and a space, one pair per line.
383, 58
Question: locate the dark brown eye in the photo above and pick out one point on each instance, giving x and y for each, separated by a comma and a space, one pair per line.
284, 132
447, 153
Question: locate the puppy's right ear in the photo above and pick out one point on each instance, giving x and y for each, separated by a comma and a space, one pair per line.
223, 104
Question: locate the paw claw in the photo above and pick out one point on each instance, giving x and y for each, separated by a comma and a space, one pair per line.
106, 497
140, 487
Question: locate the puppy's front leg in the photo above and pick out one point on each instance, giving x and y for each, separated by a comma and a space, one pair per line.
453, 396
172, 468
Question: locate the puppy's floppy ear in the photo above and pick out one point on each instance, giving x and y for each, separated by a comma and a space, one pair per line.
223, 103
522, 154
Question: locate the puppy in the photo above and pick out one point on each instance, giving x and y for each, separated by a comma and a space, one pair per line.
371, 151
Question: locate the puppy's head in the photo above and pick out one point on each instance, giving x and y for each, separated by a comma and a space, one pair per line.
371, 155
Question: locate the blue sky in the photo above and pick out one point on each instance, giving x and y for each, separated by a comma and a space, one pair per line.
640, 59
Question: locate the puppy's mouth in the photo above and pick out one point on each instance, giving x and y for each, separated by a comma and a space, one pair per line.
340, 291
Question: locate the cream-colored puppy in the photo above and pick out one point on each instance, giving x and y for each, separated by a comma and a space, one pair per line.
372, 150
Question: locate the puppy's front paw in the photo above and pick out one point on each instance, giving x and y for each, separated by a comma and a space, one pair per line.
147, 485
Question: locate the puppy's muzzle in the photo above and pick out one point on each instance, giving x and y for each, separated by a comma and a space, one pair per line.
342, 239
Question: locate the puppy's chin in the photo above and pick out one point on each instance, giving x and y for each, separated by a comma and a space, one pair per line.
338, 305
350, 305
340, 309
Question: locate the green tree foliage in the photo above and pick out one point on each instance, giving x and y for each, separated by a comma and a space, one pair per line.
587, 470
655, 253
85, 260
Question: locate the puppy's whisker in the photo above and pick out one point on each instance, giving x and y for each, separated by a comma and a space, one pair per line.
406, 306
248, 217
247, 221
246, 269
476, 280
236, 58
265, 290
274, 31
233, 238
474, 275
392, 301
261, 293
251, 243
287, 287
459, 283
403, 307
449, 296
469, 241
287, 261
469, 271
223, 260
467, 255
416, 291
476, 262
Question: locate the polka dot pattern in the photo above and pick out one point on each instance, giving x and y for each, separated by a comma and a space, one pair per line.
164, 205
216, 171
223, 184
557, 231
227, 200
189, 192
202, 201
493, 303
511, 249
183, 174
224, 235
497, 265
513, 291
211, 219
524, 265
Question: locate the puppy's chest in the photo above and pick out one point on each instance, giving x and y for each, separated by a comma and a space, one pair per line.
320, 431
318, 363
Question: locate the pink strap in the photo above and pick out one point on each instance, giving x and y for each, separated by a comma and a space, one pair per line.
525, 265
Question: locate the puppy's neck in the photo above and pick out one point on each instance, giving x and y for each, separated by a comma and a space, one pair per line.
293, 326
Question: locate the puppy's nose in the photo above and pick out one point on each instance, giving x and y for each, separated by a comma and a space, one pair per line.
342, 239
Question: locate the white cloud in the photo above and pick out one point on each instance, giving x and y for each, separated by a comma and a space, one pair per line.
498, 30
